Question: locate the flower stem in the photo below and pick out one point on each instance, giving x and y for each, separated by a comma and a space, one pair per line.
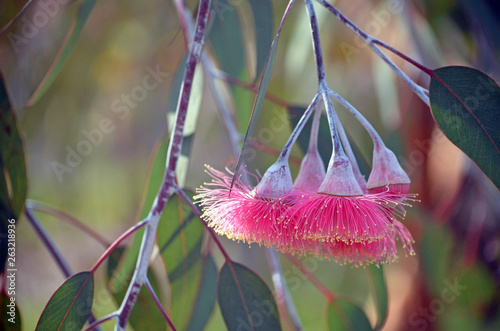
167, 187
372, 41
322, 85
285, 153
377, 140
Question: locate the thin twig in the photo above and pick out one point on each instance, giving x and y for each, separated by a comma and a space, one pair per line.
40, 206
167, 187
106, 318
158, 304
372, 42
52, 248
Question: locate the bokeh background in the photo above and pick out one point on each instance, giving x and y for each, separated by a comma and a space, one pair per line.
455, 224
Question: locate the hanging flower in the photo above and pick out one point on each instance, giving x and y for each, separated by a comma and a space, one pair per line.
245, 214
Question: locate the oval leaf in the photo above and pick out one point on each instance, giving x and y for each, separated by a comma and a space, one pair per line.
466, 105
245, 301
70, 306
344, 315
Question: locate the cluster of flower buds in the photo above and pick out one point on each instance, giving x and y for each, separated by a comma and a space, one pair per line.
333, 214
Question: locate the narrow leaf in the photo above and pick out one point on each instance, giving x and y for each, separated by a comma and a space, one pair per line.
344, 315
13, 179
69, 43
180, 239
259, 99
263, 19
11, 317
206, 297
381, 295
70, 306
245, 300
11, 157
226, 30
466, 105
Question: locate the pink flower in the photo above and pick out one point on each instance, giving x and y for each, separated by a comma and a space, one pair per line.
243, 213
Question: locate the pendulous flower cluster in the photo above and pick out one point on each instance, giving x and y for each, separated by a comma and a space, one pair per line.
335, 214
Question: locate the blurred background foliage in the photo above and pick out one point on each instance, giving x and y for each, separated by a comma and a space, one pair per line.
455, 224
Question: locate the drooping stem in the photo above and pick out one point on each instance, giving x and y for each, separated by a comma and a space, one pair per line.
371, 42
350, 154
322, 85
282, 292
167, 187
377, 140
35, 205
313, 139
285, 153
47, 241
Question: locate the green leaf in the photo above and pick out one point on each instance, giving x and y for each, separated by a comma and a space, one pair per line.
245, 300
263, 20
11, 157
179, 237
259, 99
344, 315
70, 306
11, 317
69, 43
13, 179
206, 297
145, 305
225, 30
466, 105
381, 295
